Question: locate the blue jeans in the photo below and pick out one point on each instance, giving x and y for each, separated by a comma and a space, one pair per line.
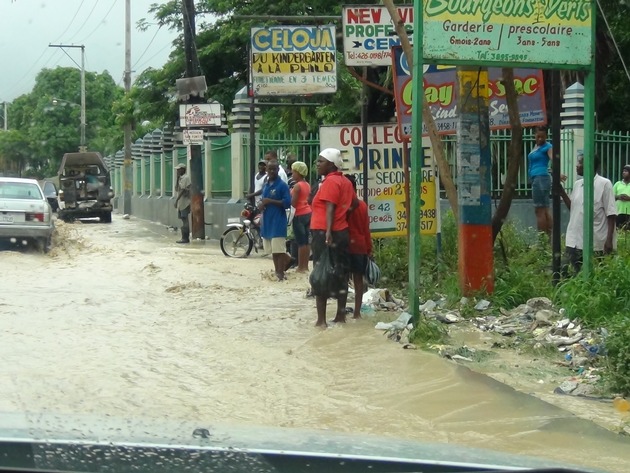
541, 187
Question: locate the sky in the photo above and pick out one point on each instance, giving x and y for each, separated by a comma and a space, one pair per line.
27, 27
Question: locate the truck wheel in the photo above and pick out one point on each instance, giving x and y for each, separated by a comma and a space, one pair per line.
106, 217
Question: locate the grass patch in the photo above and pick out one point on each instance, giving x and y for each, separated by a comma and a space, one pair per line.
523, 262
428, 332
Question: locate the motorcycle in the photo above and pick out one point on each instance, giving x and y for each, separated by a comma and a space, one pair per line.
241, 236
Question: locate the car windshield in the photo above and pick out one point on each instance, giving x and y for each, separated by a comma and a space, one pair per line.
20, 190
314, 236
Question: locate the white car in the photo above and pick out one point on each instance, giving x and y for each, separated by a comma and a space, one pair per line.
25, 214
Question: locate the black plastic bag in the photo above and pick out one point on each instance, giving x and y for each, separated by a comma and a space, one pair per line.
329, 276
372, 272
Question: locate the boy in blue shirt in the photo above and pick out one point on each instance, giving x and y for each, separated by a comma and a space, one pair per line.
276, 199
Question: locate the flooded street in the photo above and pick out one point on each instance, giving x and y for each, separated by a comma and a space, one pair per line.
120, 321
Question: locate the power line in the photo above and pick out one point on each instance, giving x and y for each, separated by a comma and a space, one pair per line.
612, 36
147, 48
158, 52
85, 21
71, 21
34, 64
100, 23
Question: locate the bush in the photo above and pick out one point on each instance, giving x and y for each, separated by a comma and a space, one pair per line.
522, 271
428, 332
618, 360
600, 298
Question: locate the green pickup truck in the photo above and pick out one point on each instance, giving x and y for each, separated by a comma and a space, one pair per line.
84, 187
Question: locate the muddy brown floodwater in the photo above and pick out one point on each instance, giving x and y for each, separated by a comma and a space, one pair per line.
118, 320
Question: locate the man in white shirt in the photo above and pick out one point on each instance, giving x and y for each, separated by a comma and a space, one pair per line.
271, 155
604, 217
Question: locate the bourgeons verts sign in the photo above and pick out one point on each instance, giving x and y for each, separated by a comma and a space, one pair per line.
522, 31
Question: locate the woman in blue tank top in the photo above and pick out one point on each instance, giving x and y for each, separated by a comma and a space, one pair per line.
538, 173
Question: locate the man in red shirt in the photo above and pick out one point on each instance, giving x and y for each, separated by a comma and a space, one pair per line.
360, 247
329, 230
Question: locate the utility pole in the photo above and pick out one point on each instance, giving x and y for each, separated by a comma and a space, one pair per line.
474, 164
195, 168
6, 122
127, 176
82, 146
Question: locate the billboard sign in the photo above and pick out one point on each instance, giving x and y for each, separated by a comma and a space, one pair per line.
441, 91
293, 60
536, 31
386, 175
369, 34
200, 115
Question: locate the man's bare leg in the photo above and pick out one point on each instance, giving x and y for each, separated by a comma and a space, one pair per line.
357, 279
279, 263
342, 298
321, 311
303, 254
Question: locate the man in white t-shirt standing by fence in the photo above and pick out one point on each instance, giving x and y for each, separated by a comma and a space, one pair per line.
604, 217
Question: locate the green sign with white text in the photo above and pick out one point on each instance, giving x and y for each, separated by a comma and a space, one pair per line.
514, 31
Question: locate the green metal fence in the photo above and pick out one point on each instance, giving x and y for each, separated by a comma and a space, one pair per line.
221, 166
613, 147
305, 147
500, 143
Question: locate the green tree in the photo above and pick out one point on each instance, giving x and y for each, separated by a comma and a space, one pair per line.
222, 48
14, 153
49, 128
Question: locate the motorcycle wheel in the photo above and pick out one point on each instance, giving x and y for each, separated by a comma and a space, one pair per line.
235, 243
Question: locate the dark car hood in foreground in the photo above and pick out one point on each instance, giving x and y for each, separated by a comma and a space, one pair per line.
68, 443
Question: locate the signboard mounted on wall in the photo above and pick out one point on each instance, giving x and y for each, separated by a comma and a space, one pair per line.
200, 115
369, 34
293, 60
555, 32
441, 91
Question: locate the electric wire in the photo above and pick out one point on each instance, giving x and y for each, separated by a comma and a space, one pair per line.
147, 48
612, 36
85, 22
71, 21
35, 63
156, 53
100, 23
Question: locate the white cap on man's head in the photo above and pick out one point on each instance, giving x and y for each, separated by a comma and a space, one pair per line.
180, 166
334, 156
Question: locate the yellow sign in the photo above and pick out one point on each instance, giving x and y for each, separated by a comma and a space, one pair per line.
386, 176
293, 60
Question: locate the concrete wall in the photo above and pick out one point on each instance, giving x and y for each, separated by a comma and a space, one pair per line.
162, 210
217, 211
521, 214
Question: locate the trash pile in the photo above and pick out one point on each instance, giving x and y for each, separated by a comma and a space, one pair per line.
398, 330
542, 325
380, 299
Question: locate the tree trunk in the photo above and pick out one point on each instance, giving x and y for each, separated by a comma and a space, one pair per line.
515, 154
427, 117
